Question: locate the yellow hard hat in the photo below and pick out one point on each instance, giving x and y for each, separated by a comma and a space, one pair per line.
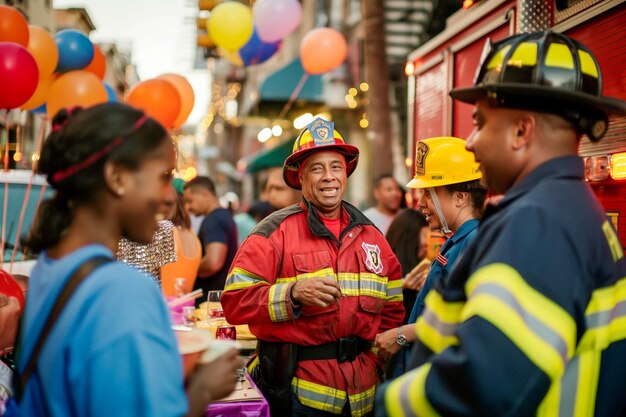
319, 135
443, 161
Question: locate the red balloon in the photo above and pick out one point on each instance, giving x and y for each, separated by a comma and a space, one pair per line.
98, 64
18, 75
13, 26
158, 98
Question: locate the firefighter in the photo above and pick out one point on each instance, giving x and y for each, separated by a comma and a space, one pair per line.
316, 282
532, 319
452, 197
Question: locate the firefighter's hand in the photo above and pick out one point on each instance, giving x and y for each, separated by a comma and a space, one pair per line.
415, 279
320, 292
386, 343
212, 381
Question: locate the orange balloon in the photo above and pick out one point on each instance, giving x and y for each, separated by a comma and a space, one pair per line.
75, 88
42, 47
98, 64
186, 96
41, 92
13, 26
322, 49
158, 98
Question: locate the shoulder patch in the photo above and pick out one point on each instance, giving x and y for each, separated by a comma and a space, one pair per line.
373, 261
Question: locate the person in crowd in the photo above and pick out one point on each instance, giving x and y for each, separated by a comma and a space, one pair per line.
11, 308
111, 351
277, 192
247, 220
407, 237
389, 197
316, 282
186, 245
452, 198
218, 233
531, 320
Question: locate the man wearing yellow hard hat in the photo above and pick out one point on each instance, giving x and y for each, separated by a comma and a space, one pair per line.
316, 282
452, 197
532, 320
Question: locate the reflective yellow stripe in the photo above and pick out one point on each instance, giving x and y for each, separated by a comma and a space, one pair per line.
535, 324
498, 58
559, 56
406, 395
613, 241
362, 403
436, 326
286, 279
588, 375
255, 362
355, 284
524, 55
318, 396
277, 302
394, 290
605, 317
587, 64
240, 278
549, 407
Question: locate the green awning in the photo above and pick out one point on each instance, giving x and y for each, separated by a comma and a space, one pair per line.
274, 157
281, 84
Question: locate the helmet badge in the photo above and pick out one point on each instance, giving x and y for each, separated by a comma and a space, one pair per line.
321, 131
421, 151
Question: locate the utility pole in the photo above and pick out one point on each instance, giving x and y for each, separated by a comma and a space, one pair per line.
377, 75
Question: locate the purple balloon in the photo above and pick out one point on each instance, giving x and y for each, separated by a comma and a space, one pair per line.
256, 51
275, 19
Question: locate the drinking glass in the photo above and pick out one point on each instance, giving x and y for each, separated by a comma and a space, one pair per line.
189, 316
227, 332
214, 305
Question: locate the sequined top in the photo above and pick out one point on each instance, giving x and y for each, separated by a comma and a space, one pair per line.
152, 256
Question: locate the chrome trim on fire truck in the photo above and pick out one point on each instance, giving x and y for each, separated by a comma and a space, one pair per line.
576, 11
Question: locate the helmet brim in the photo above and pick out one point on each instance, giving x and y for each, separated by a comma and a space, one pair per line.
421, 183
540, 98
292, 163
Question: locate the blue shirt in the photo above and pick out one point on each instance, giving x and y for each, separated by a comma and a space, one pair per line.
112, 351
451, 250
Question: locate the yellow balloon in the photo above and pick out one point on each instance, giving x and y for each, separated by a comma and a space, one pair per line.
230, 25
231, 56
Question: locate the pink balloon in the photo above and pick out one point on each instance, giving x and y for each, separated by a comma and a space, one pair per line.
275, 19
322, 49
18, 75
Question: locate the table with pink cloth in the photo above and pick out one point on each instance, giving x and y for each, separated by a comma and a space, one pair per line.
256, 408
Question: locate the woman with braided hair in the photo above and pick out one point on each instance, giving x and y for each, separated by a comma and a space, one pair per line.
111, 351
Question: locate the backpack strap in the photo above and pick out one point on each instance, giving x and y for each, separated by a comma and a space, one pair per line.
68, 289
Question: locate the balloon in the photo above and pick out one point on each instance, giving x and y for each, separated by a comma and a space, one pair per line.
256, 51
13, 26
230, 25
275, 19
39, 110
158, 98
43, 48
111, 94
322, 49
231, 56
98, 64
185, 90
75, 88
18, 75
75, 50
41, 93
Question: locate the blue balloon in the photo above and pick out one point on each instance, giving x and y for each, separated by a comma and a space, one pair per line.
256, 51
75, 50
112, 97
40, 109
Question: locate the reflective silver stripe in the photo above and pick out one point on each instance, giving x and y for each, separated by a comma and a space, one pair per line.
604, 318
394, 291
405, 394
278, 302
318, 400
362, 403
349, 284
241, 278
443, 328
373, 285
538, 327
569, 385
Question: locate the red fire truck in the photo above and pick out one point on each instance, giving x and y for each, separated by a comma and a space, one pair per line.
451, 59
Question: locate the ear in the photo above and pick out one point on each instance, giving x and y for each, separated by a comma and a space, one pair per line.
460, 198
523, 127
116, 179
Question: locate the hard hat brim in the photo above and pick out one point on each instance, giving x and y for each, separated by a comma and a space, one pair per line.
292, 163
421, 183
540, 98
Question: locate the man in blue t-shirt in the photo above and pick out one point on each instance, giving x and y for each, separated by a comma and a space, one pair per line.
218, 233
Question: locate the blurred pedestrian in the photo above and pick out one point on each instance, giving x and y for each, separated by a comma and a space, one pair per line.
277, 192
389, 197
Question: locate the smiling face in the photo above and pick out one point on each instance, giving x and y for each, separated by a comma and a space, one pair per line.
388, 195
145, 190
324, 181
427, 206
